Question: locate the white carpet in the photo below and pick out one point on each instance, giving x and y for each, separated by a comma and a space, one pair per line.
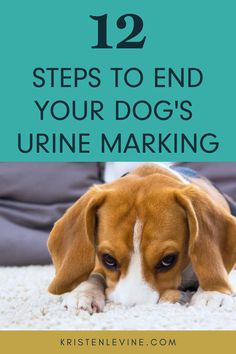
25, 304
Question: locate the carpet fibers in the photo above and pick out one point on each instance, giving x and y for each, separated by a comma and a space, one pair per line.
25, 304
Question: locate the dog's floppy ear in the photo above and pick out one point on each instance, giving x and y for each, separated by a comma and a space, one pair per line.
71, 242
212, 239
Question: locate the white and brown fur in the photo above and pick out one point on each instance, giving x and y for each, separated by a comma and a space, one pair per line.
138, 219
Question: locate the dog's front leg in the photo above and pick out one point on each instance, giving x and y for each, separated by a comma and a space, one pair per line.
88, 296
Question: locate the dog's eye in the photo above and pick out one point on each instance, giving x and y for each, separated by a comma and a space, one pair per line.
109, 262
167, 262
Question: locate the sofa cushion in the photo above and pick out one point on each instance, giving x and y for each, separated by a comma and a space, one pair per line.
32, 197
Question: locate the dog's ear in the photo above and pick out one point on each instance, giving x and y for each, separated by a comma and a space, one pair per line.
72, 242
212, 239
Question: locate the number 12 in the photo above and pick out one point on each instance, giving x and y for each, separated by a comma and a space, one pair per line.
121, 24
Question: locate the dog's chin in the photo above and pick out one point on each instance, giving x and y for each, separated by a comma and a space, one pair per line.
130, 297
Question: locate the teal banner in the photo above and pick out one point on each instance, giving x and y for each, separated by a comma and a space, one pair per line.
117, 81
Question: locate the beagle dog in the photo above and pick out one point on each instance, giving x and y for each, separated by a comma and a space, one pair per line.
148, 237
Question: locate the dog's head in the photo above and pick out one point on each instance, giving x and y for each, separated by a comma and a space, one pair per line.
144, 228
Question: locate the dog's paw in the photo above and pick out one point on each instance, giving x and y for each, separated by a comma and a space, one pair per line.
176, 296
85, 297
212, 299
